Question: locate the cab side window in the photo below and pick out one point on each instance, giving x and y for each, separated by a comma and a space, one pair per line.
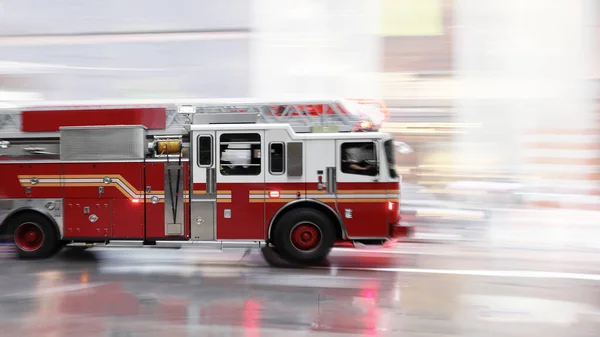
240, 154
276, 158
359, 158
205, 156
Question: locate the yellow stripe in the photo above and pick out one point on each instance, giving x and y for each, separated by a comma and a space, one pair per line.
383, 191
98, 176
84, 176
221, 192
328, 200
380, 191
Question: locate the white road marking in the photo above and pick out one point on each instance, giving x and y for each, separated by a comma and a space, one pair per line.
475, 272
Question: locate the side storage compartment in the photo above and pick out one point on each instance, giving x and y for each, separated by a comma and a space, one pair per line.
87, 219
102, 178
167, 194
127, 219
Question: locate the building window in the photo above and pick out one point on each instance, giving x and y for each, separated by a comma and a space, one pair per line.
240, 154
205, 150
359, 158
276, 158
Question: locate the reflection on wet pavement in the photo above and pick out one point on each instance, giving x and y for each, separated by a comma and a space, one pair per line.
147, 292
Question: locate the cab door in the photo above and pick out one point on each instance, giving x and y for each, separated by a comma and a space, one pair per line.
361, 190
203, 189
240, 185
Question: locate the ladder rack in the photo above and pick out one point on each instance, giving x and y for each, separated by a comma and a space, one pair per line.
303, 115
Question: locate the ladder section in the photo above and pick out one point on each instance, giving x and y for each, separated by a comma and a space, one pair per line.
173, 116
302, 116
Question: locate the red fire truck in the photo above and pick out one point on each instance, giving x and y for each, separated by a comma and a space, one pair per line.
292, 177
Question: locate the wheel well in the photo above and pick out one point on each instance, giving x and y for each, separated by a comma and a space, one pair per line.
326, 210
4, 226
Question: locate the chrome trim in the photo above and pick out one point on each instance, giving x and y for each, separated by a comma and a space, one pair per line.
55, 215
284, 207
216, 244
164, 160
368, 238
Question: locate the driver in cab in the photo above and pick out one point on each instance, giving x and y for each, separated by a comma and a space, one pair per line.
360, 159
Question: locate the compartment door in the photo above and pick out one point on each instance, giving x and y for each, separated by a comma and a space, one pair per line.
164, 199
203, 192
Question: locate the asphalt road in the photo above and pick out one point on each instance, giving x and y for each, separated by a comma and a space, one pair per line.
413, 290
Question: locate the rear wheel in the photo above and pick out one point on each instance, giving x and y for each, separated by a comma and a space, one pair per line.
34, 236
304, 236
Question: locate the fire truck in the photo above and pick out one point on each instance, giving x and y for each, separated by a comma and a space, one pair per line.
295, 178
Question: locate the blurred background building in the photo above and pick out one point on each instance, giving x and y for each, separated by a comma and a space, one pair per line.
493, 95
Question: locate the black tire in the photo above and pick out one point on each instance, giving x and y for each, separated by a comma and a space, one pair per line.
299, 224
44, 242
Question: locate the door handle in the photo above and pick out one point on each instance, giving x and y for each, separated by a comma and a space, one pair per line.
331, 180
211, 183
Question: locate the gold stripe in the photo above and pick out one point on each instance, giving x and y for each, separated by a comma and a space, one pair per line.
42, 185
221, 192
98, 176
115, 185
380, 191
362, 191
330, 200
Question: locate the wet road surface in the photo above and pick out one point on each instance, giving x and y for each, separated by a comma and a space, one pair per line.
417, 290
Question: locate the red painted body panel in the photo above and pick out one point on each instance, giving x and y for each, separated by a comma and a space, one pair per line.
274, 205
119, 216
52, 120
394, 213
126, 180
369, 217
247, 218
155, 213
127, 219
77, 222
10, 187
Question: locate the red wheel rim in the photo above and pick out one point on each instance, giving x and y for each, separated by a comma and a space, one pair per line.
306, 236
29, 236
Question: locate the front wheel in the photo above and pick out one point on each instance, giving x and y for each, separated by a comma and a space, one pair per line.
34, 236
304, 236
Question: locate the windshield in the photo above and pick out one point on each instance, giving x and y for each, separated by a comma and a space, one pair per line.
390, 156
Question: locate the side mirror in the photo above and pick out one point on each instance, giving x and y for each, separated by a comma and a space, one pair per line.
403, 147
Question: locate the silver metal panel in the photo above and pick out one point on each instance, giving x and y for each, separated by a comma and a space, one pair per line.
331, 180
203, 219
30, 149
211, 181
294, 159
174, 229
216, 117
103, 142
51, 207
173, 200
